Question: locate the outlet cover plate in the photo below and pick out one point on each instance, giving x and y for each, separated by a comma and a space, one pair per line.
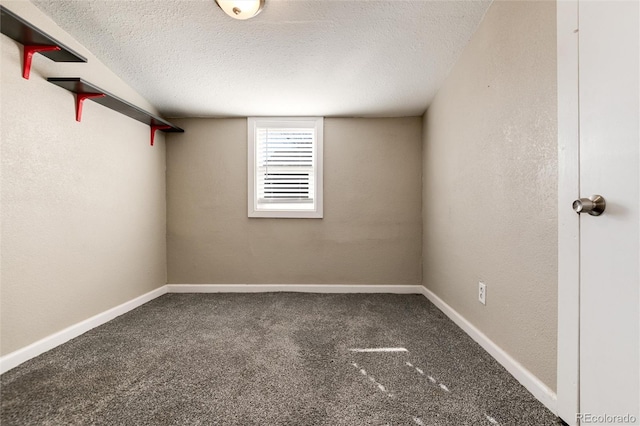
482, 292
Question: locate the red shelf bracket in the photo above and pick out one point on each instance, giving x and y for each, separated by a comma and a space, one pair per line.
80, 98
28, 53
153, 131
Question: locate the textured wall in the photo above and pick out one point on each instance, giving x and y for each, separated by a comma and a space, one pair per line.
83, 204
371, 228
490, 184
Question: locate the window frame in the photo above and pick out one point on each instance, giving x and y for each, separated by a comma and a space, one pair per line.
253, 123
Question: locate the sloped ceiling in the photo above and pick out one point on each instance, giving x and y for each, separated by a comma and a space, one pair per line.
298, 57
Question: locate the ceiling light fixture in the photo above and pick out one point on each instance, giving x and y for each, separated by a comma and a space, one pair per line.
241, 9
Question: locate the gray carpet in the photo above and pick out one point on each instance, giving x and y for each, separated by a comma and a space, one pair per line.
270, 359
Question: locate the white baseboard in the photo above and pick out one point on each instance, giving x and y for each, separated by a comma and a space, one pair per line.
543, 393
538, 389
299, 288
16, 358
13, 359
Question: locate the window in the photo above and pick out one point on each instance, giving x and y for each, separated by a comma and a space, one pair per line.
285, 167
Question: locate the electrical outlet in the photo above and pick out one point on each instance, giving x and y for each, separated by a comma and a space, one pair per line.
482, 292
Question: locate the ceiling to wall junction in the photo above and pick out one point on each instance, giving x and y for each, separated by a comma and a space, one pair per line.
297, 57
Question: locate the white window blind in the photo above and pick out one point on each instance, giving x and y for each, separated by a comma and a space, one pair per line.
285, 167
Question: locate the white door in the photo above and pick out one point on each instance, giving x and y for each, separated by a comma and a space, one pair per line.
609, 134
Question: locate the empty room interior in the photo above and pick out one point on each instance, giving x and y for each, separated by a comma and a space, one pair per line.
296, 212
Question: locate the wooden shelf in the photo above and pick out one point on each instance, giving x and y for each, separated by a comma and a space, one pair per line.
35, 41
85, 90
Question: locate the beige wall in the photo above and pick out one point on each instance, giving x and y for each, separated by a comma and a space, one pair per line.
371, 228
82, 204
490, 177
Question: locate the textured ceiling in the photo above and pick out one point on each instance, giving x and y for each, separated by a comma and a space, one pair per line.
298, 57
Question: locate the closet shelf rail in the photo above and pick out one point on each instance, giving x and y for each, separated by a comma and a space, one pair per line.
85, 90
34, 41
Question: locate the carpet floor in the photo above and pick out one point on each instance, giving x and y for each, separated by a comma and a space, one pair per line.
270, 359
